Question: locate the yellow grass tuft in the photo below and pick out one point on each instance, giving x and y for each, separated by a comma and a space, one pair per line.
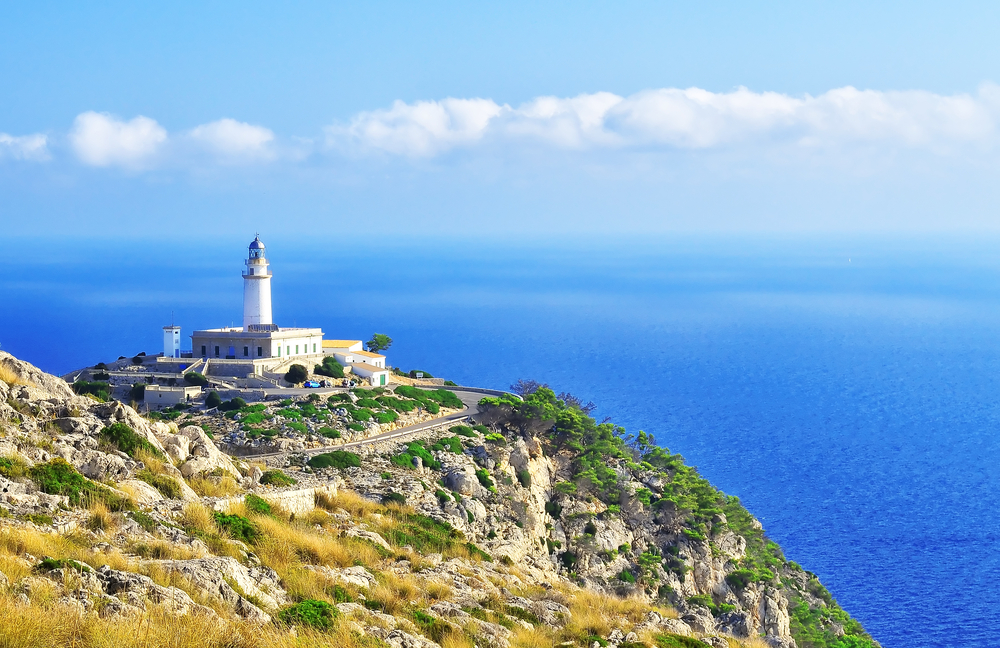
224, 486
101, 518
10, 376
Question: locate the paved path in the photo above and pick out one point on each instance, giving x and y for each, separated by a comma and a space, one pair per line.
469, 398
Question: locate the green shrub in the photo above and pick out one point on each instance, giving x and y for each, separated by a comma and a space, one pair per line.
276, 477
138, 391
298, 427
393, 497
678, 641
48, 564
167, 486
237, 526
463, 430
12, 467
289, 413
362, 414
310, 612
254, 418
484, 479
330, 368
296, 374
553, 509
340, 459
626, 576
146, 521
308, 409
234, 404
196, 379
386, 475
450, 383
125, 439
99, 390
58, 477
443, 496
452, 444
370, 403
257, 504
328, 432
415, 449
386, 417
357, 427
524, 478
213, 400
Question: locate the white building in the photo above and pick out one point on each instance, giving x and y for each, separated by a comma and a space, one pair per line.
157, 396
365, 364
257, 289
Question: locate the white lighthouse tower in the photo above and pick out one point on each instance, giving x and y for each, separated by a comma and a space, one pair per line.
257, 290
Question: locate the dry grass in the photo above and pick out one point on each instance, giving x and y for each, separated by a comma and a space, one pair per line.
198, 517
224, 486
34, 626
540, 636
101, 518
349, 501
394, 593
286, 545
16, 542
10, 376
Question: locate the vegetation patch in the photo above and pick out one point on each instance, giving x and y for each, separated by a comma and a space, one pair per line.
168, 486
99, 390
125, 439
415, 449
678, 641
237, 526
58, 477
310, 612
257, 504
340, 459
276, 477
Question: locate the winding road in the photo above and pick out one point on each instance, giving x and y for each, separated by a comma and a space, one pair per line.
470, 397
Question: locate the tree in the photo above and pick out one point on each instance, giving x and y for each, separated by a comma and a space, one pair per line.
379, 342
195, 378
138, 392
526, 387
330, 367
213, 400
296, 374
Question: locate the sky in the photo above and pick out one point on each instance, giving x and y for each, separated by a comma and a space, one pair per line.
121, 120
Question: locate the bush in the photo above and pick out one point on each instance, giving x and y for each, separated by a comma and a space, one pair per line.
138, 391
415, 449
310, 612
231, 405
298, 427
256, 504
463, 430
370, 403
357, 427
125, 439
362, 414
626, 576
276, 477
167, 486
296, 374
678, 641
484, 479
393, 497
100, 390
413, 373
330, 368
453, 444
195, 378
254, 418
237, 526
386, 417
328, 432
340, 459
58, 477
213, 400
524, 477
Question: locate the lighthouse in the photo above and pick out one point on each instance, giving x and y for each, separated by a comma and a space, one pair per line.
256, 290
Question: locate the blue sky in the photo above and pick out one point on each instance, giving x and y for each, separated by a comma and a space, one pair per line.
504, 119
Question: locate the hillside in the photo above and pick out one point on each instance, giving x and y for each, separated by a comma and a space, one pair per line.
537, 527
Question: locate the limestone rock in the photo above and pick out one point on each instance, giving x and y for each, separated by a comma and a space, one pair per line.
204, 456
213, 576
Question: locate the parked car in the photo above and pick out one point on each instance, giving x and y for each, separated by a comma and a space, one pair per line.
312, 384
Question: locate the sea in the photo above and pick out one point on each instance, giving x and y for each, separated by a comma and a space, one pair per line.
844, 387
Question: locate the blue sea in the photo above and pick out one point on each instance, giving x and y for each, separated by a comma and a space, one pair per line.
845, 388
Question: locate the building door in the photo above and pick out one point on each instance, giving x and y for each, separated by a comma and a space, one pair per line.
382, 380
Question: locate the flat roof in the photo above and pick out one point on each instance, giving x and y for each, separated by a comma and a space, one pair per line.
368, 354
339, 344
364, 366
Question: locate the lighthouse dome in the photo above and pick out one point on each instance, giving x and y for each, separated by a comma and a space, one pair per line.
256, 244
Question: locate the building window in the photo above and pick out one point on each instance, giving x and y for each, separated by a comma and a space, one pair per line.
314, 348
216, 352
296, 349
260, 352
279, 352
204, 351
246, 351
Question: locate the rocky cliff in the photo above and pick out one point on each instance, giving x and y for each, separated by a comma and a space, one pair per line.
535, 527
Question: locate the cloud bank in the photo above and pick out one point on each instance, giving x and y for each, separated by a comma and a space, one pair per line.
234, 139
689, 119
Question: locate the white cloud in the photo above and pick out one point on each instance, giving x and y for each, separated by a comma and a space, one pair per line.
689, 118
423, 128
25, 147
100, 139
234, 139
